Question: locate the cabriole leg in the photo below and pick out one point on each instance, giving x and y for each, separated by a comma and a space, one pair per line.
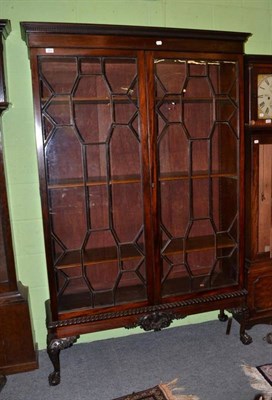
54, 346
245, 337
242, 318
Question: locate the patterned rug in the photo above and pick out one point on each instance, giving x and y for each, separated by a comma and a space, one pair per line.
260, 379
266, 371
164, 391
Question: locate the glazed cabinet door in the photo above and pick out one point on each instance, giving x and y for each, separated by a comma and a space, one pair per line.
196, 171
92, 160
140, 155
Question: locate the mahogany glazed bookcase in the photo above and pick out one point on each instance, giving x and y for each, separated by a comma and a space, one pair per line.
17, 350
140, 149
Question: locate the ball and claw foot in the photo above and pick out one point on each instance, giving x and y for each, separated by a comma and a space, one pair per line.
268, 338
245, 338
54, 346
54, 378
222, 316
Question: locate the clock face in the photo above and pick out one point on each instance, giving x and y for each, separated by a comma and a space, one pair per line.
265, 96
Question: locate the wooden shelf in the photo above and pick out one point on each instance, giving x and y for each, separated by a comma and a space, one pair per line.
125, 98
97, 256
101, 299
128, 252
64, 99
179, 98
198, 244
171, 176
200, 283
127, 179
94, 181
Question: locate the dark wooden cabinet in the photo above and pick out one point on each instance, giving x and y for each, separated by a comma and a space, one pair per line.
258, 132
17, 351
140, 149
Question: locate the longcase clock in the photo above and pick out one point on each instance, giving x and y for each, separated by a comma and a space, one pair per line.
258, 132
17, 350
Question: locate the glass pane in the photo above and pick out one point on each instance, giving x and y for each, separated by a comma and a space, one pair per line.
175, 275
124, 149
200, 154
90, 65
228, 85
67, 211
121, 75
175, 219
58, 75
58, 111
198, 88
99, 205
170, 74
96, 159
127, 216
93, 121
92, 141
224, 162
198, 120
225, 271
197, 146
201, 199
172, 140
170, 109
62, 147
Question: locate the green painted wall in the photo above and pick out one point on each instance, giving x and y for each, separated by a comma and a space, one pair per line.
253, 16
